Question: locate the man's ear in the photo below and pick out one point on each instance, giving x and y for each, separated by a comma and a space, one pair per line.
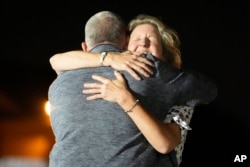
84, 46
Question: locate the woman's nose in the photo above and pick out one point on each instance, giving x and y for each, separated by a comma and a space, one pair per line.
144, 43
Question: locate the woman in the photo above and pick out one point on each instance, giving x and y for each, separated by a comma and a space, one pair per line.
148, 35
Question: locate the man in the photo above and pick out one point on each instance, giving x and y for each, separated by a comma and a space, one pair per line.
90, 134
99, 133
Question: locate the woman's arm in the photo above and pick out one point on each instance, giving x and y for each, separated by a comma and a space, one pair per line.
164, 137
126, 61
73, 60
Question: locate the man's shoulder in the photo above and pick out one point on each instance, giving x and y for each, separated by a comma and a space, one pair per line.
105, 48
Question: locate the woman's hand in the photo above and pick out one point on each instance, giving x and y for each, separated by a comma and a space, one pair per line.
164, 137
131, 62
110, 90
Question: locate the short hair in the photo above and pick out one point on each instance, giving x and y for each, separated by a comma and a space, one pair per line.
105, 27
169, 37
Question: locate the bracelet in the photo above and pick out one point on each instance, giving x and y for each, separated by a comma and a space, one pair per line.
102, 56
130, 110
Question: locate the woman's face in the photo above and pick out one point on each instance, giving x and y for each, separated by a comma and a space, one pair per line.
146, 38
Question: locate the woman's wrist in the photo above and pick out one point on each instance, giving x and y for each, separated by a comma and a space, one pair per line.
108, 59
102, 57
127, 101
133, 106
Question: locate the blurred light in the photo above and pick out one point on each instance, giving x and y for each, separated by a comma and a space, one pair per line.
47, 108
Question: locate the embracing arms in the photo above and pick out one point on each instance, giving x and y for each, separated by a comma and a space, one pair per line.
164, 137
126, 61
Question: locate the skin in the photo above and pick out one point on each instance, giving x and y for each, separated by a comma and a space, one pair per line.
146, 38
125, 61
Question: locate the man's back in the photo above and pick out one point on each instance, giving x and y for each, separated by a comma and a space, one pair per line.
92, 133
86, 132
100, 133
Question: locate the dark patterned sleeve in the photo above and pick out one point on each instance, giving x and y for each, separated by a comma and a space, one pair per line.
186, 112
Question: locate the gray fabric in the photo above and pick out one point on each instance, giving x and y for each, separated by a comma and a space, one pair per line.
100, 134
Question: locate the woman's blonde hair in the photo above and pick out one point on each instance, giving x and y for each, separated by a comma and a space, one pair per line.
170, 39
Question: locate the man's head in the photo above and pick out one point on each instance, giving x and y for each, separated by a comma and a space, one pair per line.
105, 27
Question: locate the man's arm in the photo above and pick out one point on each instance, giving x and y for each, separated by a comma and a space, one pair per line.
126, 61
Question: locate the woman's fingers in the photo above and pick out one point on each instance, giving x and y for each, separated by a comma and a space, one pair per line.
134, 63
132, 72
107, 89
139, 68
119, 76
101, 79
92, 85
142, 65
145, 61
94, 97
92, 88
91, 91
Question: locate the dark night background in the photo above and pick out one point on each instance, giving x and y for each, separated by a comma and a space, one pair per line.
215, 41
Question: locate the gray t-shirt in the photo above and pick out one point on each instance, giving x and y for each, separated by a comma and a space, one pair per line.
99, 133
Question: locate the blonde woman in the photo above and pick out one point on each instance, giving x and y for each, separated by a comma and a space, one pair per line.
148, 109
